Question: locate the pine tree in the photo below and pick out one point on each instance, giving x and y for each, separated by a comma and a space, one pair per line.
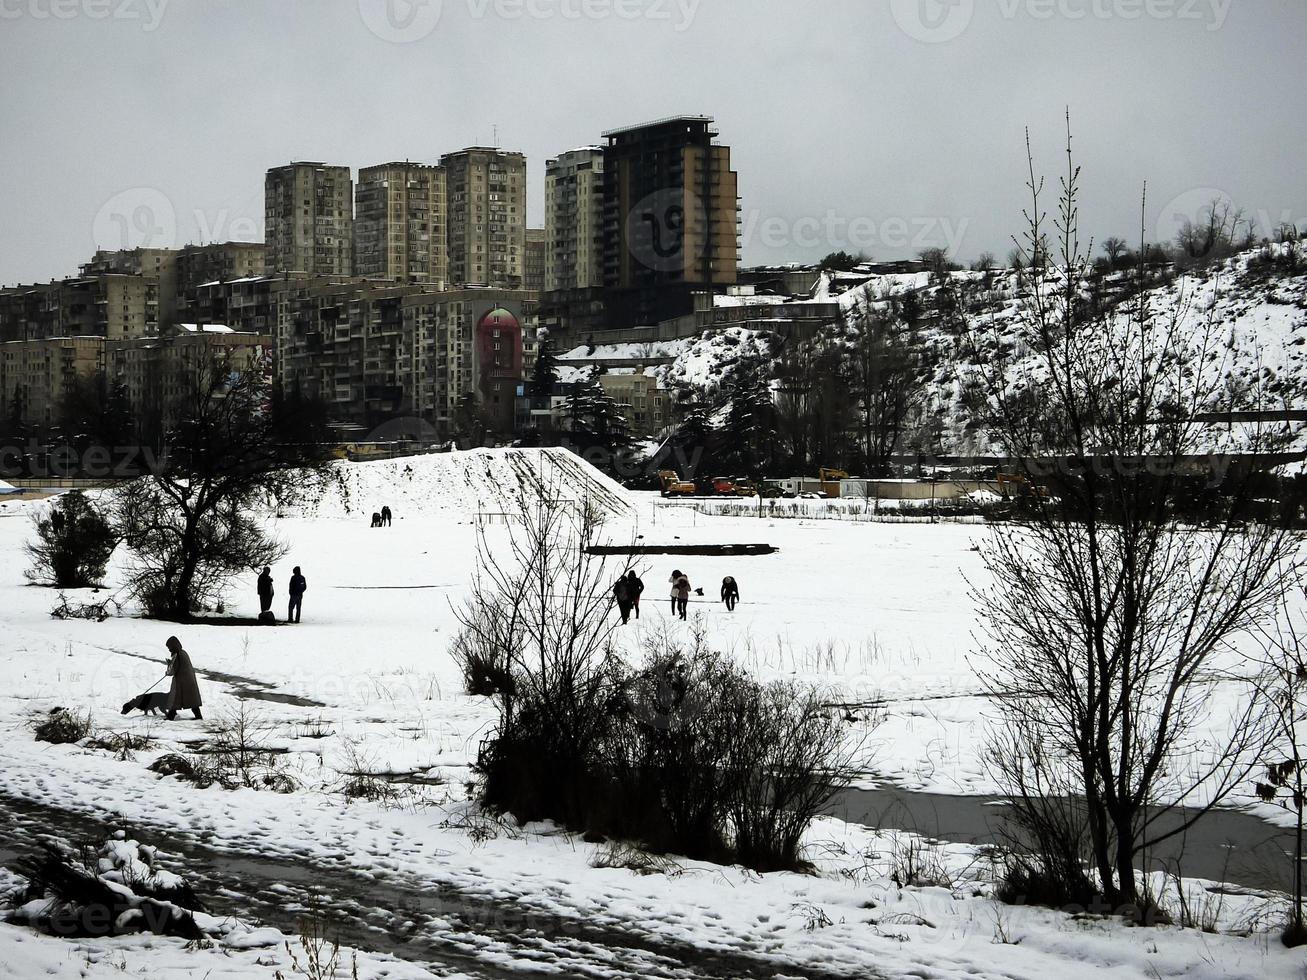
544, 376
749, 432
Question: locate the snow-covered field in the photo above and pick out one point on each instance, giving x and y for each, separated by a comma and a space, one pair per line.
877, 612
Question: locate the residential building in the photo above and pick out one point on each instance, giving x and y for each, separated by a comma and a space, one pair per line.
574, 216
644, 402
486, 191
158, 371
116, 306
671, 219
218, 262
375, 352
159, 264
35, 373
400, 223
534, 264
309, 219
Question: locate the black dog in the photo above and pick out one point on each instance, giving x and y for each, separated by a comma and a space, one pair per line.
149, 703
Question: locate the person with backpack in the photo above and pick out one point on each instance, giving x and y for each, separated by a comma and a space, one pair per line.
636, 586
730, 593
622, 593
298, 586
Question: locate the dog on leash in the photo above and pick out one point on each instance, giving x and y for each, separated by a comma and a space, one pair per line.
152, 703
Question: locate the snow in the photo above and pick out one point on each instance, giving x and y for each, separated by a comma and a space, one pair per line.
872, 611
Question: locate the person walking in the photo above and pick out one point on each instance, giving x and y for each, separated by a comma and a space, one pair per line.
185, 689
622, 593
636, 586
265, 590
675, 577
298, 586
386, 516
730, 593
681, 591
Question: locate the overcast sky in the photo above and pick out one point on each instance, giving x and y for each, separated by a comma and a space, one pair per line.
874, 125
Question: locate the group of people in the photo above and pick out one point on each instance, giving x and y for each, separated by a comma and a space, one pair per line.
382, 518
298, 586
629, 587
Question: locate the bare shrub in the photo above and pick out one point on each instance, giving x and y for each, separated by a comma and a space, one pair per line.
63, 727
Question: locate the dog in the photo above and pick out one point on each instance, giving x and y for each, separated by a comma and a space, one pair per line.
151, 703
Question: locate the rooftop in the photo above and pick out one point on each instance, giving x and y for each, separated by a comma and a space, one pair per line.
666, 120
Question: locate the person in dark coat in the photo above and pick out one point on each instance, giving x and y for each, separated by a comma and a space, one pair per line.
636, 587
185, 689
730, 592
386, 516
265, 590
622, 593
298, 586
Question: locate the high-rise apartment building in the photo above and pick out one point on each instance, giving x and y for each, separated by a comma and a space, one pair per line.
671, 219
535, 262
309, 219
400, 223
574, 217
486, 190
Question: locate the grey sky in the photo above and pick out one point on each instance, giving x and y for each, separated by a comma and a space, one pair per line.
160, 116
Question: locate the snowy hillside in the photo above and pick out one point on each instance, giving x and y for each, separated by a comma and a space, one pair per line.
1253, 305
460, 484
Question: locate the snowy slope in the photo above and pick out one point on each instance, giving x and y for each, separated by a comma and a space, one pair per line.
462, 484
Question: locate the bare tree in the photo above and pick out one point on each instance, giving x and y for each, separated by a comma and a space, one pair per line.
1108, 613
1284, 779
538, 626
1114, 248
885, 371
232, 444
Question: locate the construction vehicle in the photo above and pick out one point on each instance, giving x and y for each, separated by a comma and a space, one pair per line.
674, 486
723, 485
745, 487
1018, 485
830, 480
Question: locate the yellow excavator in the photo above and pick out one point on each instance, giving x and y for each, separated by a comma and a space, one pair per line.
830, 480
674, 486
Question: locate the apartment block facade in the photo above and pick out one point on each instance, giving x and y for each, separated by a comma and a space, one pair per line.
671, 219
486, 191
375, 352
574, 217
309, 219
535, 262
400, 223
218, 262
111, 305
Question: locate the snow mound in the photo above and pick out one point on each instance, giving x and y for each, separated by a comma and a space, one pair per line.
468, 484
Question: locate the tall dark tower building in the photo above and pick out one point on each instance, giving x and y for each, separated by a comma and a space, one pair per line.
671, 219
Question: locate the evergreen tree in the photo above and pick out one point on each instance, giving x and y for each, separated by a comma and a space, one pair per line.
596, 420
544, 376
749, 433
